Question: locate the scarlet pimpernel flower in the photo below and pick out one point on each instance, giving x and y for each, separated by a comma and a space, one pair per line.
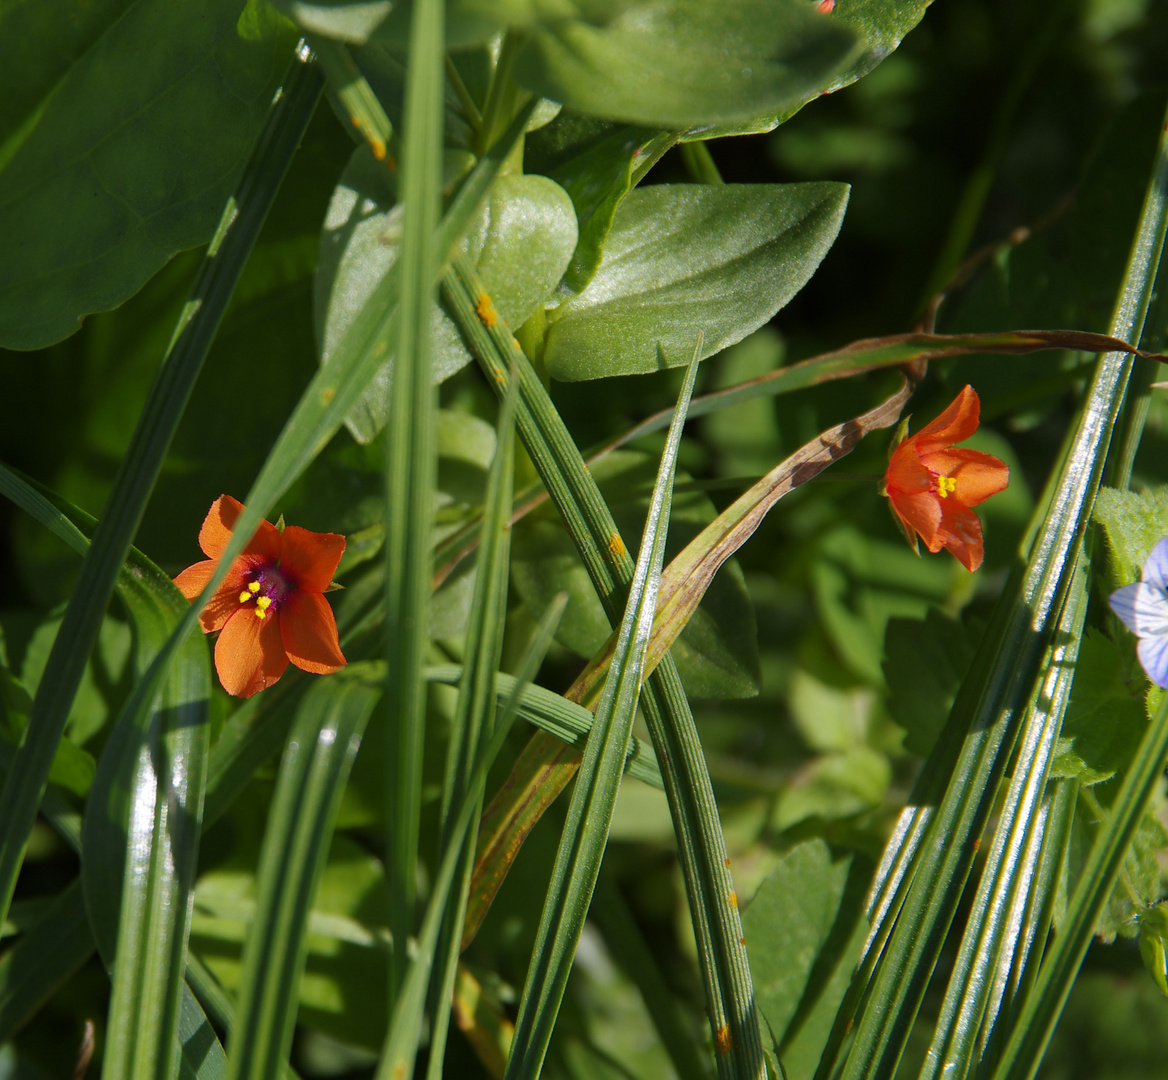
931, 485
1143, 607
270, 609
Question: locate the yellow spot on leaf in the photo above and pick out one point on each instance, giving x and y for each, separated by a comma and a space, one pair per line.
733, 898
486, 312
616, 545
378, 148
723, 1042
327, 394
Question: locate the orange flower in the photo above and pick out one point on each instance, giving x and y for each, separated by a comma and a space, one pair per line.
269, 608
932, 486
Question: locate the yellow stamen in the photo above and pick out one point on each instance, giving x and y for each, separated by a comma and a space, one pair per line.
946, 485
244, 597
263, 602
254, 587
260, 613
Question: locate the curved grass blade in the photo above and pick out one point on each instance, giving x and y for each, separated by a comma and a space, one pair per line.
330, 722
405, 1028
474, 713
411, 466
950, 835
710, 888
585, 833
143, 815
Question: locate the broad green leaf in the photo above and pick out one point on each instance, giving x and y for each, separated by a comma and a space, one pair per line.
1105, 719
879, 24
683, 63
90, 205
597, 164
1134, 523
805, 927
688, 258
520, 241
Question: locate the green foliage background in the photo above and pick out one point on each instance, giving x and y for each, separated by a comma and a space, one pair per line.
1004, 149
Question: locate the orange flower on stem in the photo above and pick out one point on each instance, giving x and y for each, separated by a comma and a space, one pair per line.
270, 608
931, 486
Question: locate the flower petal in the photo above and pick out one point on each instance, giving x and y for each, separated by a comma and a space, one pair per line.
954, 425
960, 533
219, 524
920, 512
310, 558
1142, 607
309, 631
249, 655
1156, 566
224, 601
978, 475
906, 475
1153, 654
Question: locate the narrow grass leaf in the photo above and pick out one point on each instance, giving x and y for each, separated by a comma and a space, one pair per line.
585, 833
411, 464
200, 319
330, 722
405, 1028
474, 712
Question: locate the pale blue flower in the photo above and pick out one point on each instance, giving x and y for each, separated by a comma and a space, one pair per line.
1144, 609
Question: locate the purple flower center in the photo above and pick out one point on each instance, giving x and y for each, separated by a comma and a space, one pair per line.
266, 588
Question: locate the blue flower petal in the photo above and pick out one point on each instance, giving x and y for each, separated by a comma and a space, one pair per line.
1143, 609
1153, 654
1156, 568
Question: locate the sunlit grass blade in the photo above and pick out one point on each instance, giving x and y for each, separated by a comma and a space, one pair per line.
993, 929
1038, 1016
954, 830
709, 886
474, 712
353, 92
192, 338
585, 833
143, 813
327, 731
405, 1028
411, 465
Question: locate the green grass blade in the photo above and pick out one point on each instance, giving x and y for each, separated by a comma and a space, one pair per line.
224, 261
411, 463
474, 712
713, 903
987, 948
567, 721
143, 813
405, 1028
585, 833
1037, 1018
952, 833
328, 728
